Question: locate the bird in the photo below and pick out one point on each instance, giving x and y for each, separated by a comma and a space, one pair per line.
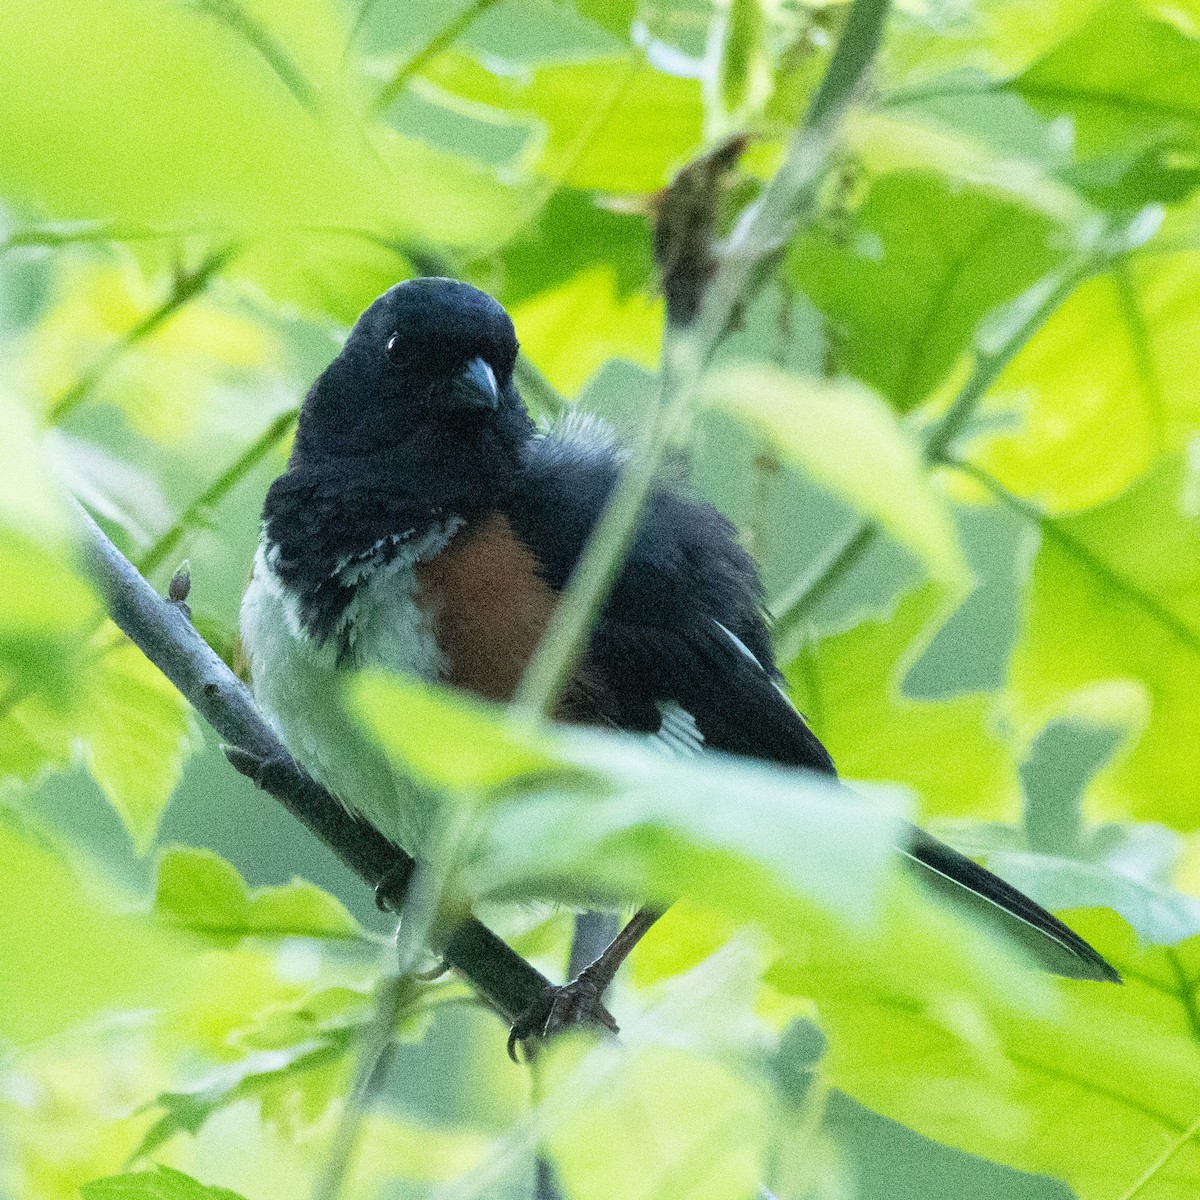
424, 524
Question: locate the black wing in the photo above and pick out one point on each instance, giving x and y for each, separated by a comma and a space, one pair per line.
683, 630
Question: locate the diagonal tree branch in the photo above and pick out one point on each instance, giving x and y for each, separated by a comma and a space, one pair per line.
162, 631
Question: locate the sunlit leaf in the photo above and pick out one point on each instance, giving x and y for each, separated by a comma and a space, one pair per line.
138, 732
569, 331
1090, 1089
162, 1183
45, 906
907, 282
1103, 388
1140, 128
686, 1127
1113, 605
615, 124
851, 687
200, 891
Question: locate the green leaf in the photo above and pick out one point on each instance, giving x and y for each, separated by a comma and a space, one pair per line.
922, 262
278, 1078
1103, 389
55, 935
574, 232
742, 82
684, 1125
571, 330
1142, 125
850, 442
889, 1161
163, 1183
614, 15
1112, 615
200, 891
228, 143
138, 731
613, 124
415, 722
1090, 1088
750, 840
1161, 916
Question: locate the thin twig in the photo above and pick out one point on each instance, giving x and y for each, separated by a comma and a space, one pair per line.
441, 41
195, 513
422, 903
188, 285
373, 1056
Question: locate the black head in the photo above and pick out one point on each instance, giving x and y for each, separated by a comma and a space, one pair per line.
425, 376
415, 423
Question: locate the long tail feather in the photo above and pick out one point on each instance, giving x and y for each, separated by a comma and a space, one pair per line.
1056, 947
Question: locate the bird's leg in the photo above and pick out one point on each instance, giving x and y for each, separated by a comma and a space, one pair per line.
581, 1001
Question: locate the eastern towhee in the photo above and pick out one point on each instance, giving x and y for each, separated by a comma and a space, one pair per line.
425, 525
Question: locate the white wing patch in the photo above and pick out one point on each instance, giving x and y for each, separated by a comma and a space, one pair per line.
737, 641
678, 733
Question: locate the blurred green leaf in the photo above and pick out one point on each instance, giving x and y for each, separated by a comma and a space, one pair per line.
1084, 1082
685, 1126
55, 933
1098, 77
614, 15
919, 265
226, 146
137, 731
850, 442
890, 1162
612, 124
571, 233
1162, 917
743, 77
200, 891
163, 1183
571, 330
1103, 389
1111, 614
753, 841
416, 723
851, 688
257, 1075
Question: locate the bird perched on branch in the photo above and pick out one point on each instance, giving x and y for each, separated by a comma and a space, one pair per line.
425, 525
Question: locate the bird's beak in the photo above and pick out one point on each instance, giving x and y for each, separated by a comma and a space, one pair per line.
476, 387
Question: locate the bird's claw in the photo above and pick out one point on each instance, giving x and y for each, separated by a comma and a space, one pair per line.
580, 1002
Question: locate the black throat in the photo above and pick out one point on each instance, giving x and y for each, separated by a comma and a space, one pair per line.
327, 522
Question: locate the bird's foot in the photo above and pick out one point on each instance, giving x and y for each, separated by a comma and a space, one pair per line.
580, 1002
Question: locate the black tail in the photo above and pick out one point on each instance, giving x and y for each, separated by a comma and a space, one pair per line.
1000, 905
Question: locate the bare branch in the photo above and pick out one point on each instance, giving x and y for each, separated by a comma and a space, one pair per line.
162, 631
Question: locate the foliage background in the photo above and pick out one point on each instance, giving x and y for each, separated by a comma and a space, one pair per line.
198, 199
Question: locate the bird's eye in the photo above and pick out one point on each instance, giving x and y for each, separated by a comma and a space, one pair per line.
390, 348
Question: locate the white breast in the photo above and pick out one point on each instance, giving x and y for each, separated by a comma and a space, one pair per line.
298, 681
